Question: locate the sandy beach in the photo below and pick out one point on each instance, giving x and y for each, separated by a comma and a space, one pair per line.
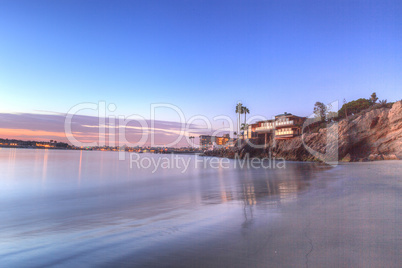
352, 217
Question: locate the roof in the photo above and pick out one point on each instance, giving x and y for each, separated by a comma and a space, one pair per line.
264, 121
284, 114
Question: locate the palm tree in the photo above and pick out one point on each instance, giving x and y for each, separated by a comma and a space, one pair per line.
239, 110
245, 111
383, 103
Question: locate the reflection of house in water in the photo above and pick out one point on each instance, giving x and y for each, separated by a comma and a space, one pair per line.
279, 191
259, 187
249, 195
288, 191
276, 186
226, 196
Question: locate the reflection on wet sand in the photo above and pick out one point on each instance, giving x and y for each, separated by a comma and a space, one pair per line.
265, 186
262, 189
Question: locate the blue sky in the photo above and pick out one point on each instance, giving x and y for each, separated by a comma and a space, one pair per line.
202, 56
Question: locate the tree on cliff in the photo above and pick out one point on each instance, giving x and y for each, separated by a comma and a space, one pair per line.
320, 110
346, 109
373, 98
354, 107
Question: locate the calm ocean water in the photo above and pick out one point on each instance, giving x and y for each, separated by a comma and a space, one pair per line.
82, 208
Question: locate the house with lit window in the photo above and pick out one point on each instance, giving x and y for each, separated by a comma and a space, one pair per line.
284, 126
208, 142
288, 126
250, 132
264, 130
222, 140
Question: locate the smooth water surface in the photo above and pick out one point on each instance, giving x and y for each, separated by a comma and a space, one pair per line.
88, 208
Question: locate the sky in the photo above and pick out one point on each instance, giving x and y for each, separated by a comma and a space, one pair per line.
200, 56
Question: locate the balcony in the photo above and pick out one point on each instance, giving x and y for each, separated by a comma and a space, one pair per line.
264, 128
284, 133
284, 123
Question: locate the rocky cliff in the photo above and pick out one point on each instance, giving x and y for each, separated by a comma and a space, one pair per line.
375, 134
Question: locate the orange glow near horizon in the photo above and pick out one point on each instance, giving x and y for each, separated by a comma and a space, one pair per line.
11, 133
42, 135
60, 136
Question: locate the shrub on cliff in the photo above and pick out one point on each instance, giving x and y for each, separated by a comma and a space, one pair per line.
354, 107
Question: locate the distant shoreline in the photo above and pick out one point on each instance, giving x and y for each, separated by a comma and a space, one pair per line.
97, 150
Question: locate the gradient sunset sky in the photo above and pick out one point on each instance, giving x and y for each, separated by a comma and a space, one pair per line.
202, 56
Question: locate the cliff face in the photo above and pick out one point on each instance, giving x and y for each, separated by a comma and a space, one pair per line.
373, 135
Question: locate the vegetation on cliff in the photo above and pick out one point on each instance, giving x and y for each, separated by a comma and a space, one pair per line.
368, 131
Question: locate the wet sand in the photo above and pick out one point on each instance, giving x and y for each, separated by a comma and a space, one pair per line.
88, 209
352, 218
